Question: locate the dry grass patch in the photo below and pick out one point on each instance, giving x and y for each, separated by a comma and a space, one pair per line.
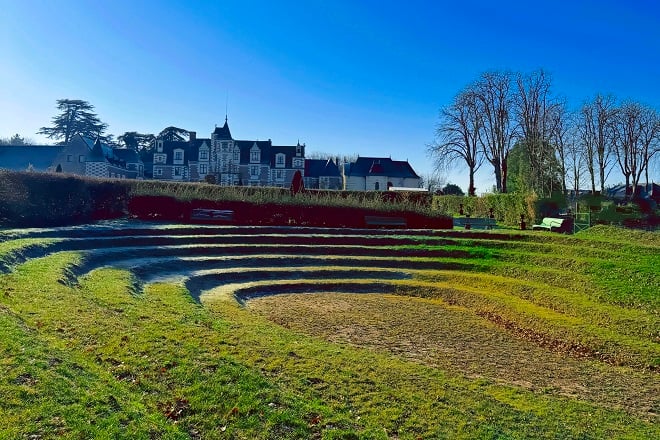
454, 339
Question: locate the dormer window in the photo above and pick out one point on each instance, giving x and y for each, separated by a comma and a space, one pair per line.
178, 155
255, 154
203, 155
280, 160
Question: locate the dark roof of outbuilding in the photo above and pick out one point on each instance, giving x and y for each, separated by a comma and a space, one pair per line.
381, 166
19, 158
644, 191
321, 167
404, 169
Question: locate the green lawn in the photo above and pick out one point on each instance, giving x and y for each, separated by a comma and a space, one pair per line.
539, 336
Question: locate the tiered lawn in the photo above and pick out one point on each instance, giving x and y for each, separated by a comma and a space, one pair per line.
540, 336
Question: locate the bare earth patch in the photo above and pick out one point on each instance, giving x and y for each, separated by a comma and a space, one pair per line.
456, 340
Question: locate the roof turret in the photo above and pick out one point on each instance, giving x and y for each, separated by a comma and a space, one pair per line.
222, 132
96, 155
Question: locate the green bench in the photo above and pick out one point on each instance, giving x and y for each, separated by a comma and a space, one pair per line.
553, 224
475, 222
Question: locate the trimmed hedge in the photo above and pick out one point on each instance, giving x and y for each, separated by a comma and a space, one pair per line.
506, 207
51, 199
47, 199
276, 214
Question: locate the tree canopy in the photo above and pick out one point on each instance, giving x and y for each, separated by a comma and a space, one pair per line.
451, 189
15, 140
75, 117
533, 166
535, 143
136, 141
173, 134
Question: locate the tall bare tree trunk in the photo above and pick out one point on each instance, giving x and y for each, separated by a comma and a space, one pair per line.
493, 91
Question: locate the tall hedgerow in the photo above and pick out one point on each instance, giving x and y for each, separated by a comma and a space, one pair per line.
507, 208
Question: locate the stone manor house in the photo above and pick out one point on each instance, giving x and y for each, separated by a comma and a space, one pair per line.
228, 161
220, 159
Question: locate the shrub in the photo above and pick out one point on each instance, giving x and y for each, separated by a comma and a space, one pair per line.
506, 207
550, 206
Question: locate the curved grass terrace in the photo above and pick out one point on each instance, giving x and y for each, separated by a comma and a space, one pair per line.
145, 330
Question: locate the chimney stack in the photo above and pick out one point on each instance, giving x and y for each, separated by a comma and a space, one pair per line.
192, 135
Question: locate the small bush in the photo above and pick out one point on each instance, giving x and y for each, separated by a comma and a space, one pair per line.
550, 206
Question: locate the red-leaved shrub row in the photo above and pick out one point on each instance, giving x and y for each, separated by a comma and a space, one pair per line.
275, 214
50, 199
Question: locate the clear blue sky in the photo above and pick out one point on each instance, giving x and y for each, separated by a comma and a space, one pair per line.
344, 77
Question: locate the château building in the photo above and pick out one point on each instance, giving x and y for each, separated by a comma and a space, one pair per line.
228, 161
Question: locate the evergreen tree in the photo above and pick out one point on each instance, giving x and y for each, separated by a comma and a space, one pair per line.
534, 168
173, 134
75, 117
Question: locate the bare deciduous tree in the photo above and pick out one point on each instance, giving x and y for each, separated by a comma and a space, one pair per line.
575, 161
597, 132
637, 130
587, 136
605, 114
457, 136
535, 110
650, 138
535, 105
433, 181
495, 98
563, 139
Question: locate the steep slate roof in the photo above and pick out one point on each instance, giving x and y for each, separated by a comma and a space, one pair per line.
246, 146
223, 132
170, 146
19, 158
321, 167
128, 155
192, 153
288, 150
404, 168
105, 148
380, 166
97, 154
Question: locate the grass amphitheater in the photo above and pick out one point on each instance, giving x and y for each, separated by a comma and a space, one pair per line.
143, 330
